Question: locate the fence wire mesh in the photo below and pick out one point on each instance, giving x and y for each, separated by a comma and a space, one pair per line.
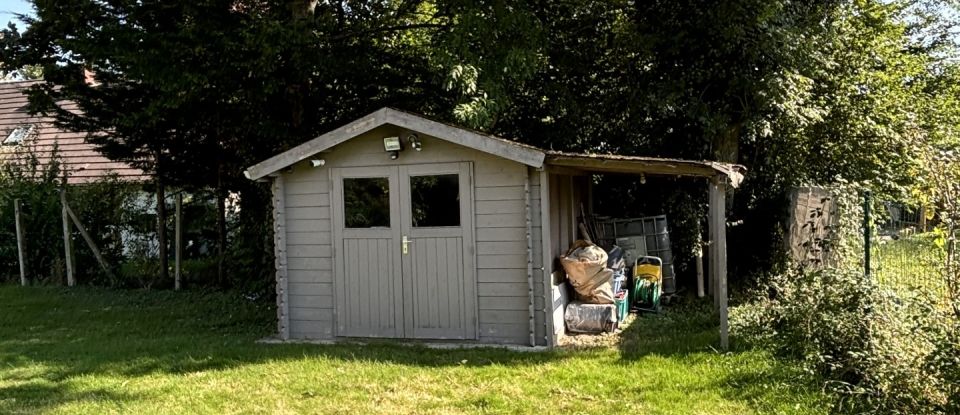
905, 253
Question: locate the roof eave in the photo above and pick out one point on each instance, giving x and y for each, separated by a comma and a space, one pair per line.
527, 155
645, 165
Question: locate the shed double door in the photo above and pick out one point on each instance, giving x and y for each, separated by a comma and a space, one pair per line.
403, 242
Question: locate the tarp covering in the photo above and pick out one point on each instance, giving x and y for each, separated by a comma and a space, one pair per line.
586, 268
590, 318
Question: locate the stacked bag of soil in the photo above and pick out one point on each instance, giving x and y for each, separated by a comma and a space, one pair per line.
586, 268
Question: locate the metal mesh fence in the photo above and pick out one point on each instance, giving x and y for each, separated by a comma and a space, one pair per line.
904, 254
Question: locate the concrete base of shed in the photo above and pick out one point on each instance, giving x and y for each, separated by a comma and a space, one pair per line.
430, 345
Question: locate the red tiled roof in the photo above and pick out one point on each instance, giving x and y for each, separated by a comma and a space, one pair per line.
82, 162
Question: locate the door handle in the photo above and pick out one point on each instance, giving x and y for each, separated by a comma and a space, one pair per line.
405, 243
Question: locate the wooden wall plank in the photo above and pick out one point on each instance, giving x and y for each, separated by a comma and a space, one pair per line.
308, 200
499, 220
312, 288
503, 302
501, 234
309, 264
508, 261
500, 248
502, 289
309, 238
301, 302
502, 207
308, 212
310, 276
309, 251
501, 275
499, 193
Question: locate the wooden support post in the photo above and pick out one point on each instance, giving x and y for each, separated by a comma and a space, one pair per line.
178, 242
87, 238
20, 253
528, 216
698, 257
280, 256
923, 219
546, 246
699, 266
718, 253
67, 245
711, 254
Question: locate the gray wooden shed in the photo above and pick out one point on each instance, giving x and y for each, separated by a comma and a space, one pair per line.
448, 238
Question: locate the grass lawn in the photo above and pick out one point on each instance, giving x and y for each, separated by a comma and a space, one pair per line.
94, 351
911, 262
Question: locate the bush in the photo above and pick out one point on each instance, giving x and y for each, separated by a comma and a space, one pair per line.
881, 352
36, 185
102, 207
121, 219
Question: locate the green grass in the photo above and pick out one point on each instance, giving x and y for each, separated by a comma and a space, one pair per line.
912, 262
93, 351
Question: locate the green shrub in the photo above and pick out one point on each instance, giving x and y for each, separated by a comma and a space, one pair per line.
35, 184
880, 351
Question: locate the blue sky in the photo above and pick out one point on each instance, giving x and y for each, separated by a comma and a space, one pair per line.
9, 7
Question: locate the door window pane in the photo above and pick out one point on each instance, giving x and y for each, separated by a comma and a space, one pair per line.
366, 202
435, 200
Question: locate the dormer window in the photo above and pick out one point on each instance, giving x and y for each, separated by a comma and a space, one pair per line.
19, 134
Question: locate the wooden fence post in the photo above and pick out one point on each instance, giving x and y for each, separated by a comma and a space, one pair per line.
718, 253
67, 246
23, 264
88, 239
178, 235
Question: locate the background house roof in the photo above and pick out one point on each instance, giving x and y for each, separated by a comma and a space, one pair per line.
81, 161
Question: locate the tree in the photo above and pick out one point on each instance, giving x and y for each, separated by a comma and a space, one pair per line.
194, 92
798, 91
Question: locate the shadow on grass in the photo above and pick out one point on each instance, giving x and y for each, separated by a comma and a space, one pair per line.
51, 336
31, 398
133, 333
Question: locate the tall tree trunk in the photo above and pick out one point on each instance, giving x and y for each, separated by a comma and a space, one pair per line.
162, 230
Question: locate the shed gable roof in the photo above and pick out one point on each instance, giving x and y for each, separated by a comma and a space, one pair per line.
511, 150
520, 153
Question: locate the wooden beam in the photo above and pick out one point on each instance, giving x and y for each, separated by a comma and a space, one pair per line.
20, 253
699, 267
88, 239
178, 240
566, 171
635, 166
280, 256
546, 246
67, 246
718, 251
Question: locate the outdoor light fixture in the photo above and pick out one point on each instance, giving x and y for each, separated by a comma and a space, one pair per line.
643, 179
393, 146
415, 142
318, 162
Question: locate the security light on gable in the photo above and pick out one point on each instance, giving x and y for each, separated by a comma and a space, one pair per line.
415, 142
392, 145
